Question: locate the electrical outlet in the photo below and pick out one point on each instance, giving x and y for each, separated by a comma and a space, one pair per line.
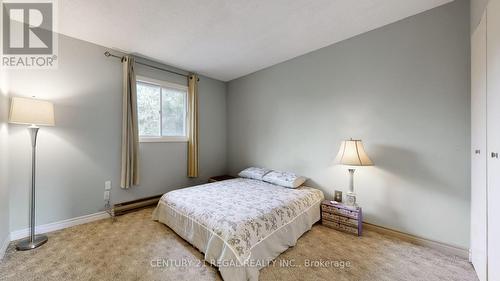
106, 195
107, 185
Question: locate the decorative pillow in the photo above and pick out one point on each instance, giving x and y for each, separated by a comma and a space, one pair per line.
285, 179
254, 173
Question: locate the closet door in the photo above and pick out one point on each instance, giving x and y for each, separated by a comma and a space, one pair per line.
493, 89
479, 151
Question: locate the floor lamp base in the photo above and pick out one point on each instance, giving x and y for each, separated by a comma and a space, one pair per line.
26, 243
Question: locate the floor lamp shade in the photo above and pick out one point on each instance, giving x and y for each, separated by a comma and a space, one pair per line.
32, 112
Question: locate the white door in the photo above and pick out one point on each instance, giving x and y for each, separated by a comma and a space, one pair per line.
479, 151
493, 88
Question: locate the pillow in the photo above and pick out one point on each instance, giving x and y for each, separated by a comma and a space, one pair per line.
254, 173
285, 179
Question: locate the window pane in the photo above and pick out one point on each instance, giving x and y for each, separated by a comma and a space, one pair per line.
148, 107
173, 112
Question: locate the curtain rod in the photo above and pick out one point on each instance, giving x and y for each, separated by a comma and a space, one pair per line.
108, 54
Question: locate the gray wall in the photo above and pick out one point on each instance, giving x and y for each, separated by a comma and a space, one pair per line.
477, 8
403, 89
4, 190
82, 151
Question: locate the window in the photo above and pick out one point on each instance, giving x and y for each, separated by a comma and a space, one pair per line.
162, 111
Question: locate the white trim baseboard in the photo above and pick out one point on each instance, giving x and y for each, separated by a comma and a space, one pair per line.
438, 246
22, 233
4, 246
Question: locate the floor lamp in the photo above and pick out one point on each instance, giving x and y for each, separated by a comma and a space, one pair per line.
34, 113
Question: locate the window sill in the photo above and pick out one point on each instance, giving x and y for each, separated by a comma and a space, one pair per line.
163, 139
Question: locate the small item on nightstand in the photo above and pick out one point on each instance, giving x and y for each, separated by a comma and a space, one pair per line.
342, 217
350, 199
338, 196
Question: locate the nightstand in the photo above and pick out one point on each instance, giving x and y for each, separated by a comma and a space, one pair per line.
342, 217
220, 178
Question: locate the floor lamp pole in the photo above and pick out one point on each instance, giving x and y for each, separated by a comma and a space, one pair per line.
33, 241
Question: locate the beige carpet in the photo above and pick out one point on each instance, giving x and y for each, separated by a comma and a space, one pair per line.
136, 248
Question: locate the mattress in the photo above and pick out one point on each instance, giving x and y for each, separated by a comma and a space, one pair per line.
240, 225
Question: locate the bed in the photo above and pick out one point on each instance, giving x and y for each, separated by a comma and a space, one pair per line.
242, 224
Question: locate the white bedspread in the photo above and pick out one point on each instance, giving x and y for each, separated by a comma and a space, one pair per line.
240, 223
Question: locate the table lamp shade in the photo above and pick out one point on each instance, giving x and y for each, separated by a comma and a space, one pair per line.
32, 112
352, 153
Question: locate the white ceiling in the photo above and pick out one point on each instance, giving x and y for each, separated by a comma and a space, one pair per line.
226, 39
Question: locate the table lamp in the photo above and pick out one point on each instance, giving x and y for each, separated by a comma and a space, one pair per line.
352, 153
32, 112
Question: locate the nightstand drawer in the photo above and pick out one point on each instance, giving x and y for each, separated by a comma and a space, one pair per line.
341, 227
339, 211
340, 219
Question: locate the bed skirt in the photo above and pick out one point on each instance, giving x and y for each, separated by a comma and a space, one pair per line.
219, 254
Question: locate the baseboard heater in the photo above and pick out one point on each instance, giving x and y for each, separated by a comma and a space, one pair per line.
134, 205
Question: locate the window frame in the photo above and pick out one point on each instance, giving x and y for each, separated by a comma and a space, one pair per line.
165, 84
